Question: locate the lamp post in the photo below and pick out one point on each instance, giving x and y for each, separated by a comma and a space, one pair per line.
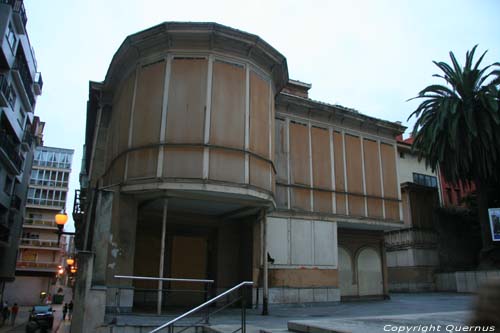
61, 219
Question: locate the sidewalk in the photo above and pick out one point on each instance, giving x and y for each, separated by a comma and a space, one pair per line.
21, 320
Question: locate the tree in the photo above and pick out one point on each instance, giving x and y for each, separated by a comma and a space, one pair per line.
458, 129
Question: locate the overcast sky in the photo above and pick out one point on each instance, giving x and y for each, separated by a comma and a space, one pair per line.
367, 55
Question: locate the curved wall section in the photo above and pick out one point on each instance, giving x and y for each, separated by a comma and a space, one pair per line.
199, 118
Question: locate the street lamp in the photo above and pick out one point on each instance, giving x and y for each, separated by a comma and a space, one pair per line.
73, 270
61, 219
70, 261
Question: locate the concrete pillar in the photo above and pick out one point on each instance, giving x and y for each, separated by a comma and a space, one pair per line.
89, 300
114, 246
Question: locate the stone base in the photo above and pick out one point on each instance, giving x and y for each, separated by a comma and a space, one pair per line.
285, 295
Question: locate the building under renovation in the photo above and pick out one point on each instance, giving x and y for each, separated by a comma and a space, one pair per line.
203, 159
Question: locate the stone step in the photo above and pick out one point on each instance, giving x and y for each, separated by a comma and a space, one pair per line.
305, 327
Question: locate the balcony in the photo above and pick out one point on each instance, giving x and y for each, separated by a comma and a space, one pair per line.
46, 244
49, 183
38, 85
22, 76
37, 266
18, 7
9, 152
411, 237
28, 139
56, 204
39, 223
52, 164
4, 90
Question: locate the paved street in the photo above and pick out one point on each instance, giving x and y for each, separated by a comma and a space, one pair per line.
22, 319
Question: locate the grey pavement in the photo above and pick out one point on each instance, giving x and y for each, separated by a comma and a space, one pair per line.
359, 316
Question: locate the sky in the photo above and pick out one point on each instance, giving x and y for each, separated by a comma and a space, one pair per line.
368, 55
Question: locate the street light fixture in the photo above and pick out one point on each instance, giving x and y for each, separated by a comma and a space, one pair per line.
70, 261
61, 219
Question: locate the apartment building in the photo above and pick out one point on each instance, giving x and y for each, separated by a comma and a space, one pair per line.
40, 253
203, 159
20, 84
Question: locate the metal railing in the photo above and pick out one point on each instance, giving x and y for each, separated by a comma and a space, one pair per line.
170, 325
40, 242
159, 295
37, 264
46, 202
9, 147
40, 222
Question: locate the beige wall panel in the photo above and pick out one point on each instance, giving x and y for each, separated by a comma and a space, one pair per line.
338, 154
301, 199
183, 162
148, 104
392, 210
353, 164
322, 202
281, 156
282, 197
227, 125
187, 101
340, 200
389, 170
375, 207
118, 170
301, 278
142, 163
299, 154
259, 115
227, 166
372, 168
372, 177
322, 168
259, 173
354, 174
356, 205
122, 105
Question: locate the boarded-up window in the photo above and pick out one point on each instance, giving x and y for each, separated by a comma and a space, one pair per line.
185, 162
299, 154
259, 115
322, 169
372, 177
148, 104
142, 163
226, 165
187, 100
338, 153
390, 180
260, 173
281, 158
227, 124
354, 175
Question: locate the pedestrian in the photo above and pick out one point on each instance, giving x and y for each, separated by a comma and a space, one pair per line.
70, 309
13, 314
65, 310
5, 313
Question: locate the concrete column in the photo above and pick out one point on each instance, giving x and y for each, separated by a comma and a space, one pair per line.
162, 254
265, 300
101, 235
89, 301
121, 251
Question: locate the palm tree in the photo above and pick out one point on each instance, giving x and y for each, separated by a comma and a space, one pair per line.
458, 129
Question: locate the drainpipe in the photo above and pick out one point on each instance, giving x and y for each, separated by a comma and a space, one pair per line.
265, 299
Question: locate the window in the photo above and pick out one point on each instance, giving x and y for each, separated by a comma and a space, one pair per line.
8, 185
11, 37
401, 155
22, 117
11, 96
424, 180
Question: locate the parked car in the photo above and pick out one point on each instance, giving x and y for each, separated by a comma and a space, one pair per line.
41, 317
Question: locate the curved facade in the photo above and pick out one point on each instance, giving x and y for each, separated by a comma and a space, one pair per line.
203, 160
199, 118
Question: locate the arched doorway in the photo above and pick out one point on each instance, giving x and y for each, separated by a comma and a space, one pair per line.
369, 269
346, 282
